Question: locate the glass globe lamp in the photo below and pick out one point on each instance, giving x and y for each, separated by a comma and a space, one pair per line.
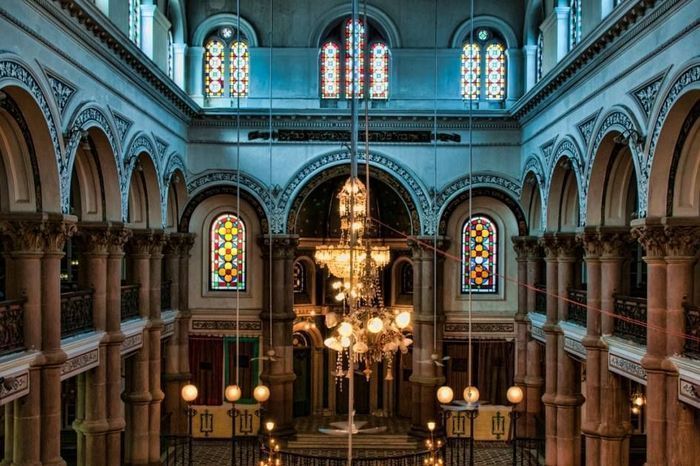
261, 393
471, 395
189, 393
232, 393
515, 394
445, 395
403, 319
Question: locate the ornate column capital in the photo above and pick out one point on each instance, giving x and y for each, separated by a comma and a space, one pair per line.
614, 241
591, 243
119, 237
652, 237
145, 242
95, 238
171, 244
526, 247
283, 246
23, 234
158, 240
682, 240
420, 245
567, 246
548, 243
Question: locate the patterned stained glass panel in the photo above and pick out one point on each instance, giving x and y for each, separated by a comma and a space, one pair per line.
214, 68
134, 20
240, 69
574, 23
330, 71
479, 256
471, 71
540, 44
299, 277
354, 50
379, 71
228, 253
495, 72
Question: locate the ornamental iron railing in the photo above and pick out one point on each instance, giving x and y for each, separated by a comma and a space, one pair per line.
540, 298
577, 307
631, 318
165, 295
691, 348
11, 326
130, 302
76, 313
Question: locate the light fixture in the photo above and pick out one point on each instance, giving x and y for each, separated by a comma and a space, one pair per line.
189, 393
431, 426
515, 394
261, 393
403, 319
445, 395
471, 395
375, 325
270, 426
232, 393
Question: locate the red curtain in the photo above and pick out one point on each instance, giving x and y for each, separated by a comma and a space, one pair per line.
207, 367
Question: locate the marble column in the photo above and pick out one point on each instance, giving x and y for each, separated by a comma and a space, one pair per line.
115, 406
683, 431
279, 375
590, 241
426, 378
138, 395
24, 247
551, 330
523, 246
614, 406
58, 229
568, 397
651, 235
155, 329
93, 426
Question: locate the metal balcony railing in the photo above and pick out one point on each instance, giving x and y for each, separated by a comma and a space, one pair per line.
11, 326
630, 317
577, 307
691, 348
76, 313
130, 302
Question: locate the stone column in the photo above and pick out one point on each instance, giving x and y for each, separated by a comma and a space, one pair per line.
172, 376
182, 326
534, 260
523, 246
533, 379
614, 407
530, 52
179, 54
57, 230
279, 375
195, 57
24, 246
594, 364
115, 407
155, 329
568, 397
683, 245
138, 394
652, 237
93, 426
426, 378
551, 330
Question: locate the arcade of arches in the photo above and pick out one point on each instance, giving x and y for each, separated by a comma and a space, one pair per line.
168, 168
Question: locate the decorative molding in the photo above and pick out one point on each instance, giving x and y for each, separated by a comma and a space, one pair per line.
205, 325
630, 369
123, 125
14, 386
509, 185
139, 144
689, 392
575, 347
161, 147
213, 177
645, 94
456, 329
585, 127
538, 334
63, 90
547, 149
131, 343
80, 363
168, 329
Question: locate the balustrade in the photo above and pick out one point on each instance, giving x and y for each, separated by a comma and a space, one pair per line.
11, 326
692, 331
577, 307
631, 318
76, 313
130, 302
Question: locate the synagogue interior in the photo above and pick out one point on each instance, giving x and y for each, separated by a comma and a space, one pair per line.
349, 232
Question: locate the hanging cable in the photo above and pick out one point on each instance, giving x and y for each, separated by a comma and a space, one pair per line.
435, 187
269, 226
238, 185
471, 192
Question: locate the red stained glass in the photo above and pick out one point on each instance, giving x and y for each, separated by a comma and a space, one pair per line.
358, 44
495, 72
228, 253
239, 69
471, 71
214, 68
379, 71
479, 256
330, 71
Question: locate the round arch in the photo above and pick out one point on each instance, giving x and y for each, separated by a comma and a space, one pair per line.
391, 32
143, 193
417, 193
534, 15
344, 170
178, 20
204, 28
462, 32
215, 190
140, 148
564, 202
40, 114
533, 202
175, 200
567, 154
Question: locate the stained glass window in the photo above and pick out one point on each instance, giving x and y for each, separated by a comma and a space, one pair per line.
495, 71
471, 71
574, 22
354, 50
479, 256
134, 20
239, 69
214, 68
538, 57
171, 56
330, 70
228, 253
379, 71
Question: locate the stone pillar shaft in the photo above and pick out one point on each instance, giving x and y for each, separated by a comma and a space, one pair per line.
551, 329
